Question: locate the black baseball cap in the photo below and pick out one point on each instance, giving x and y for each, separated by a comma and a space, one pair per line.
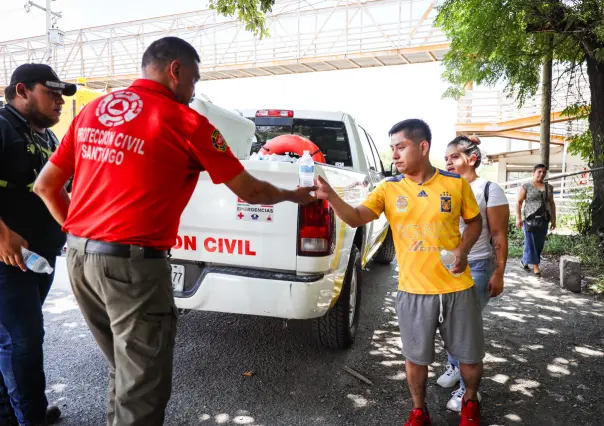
43, 74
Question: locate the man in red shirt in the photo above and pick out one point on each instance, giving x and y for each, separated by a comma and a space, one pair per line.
136, 156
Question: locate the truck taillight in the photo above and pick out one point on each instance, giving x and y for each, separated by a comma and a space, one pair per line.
316, 229
274, 113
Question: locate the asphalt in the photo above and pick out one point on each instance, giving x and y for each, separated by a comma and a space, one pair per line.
544, 364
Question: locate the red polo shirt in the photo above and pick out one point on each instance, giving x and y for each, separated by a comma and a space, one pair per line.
136, 155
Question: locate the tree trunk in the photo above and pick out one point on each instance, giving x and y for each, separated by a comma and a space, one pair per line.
546, 101
595, 71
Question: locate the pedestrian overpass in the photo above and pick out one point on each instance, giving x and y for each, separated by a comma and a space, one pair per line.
305, 36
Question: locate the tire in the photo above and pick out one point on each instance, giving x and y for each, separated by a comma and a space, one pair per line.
336, 329
386, 253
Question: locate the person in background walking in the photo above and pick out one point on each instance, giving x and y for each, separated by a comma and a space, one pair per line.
539, 211
464, 157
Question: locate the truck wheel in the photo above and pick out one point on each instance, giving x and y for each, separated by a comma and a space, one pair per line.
386, 253
338, 327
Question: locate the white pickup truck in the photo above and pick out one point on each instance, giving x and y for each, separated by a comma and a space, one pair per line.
285, 261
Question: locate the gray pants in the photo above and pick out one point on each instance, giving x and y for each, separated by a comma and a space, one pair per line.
129, 307
458, 317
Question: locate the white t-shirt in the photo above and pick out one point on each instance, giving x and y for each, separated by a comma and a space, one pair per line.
482, 249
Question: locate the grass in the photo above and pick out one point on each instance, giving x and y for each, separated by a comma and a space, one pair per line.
598, 286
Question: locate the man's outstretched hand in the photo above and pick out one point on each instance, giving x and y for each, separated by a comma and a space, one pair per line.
324, 190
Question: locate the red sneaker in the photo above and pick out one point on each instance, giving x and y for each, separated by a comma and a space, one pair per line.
419, 417
470, 413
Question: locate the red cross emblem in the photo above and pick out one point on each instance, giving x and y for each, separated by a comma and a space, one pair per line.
240, 215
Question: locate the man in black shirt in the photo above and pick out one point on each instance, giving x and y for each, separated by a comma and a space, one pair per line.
34, 100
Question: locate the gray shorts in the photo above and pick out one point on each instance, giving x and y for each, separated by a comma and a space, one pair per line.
461, 326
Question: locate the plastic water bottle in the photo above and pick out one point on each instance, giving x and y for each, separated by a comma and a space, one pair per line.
35, 262
448, 259
306, 170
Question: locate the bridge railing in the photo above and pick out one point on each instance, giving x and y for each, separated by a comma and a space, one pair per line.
300, 32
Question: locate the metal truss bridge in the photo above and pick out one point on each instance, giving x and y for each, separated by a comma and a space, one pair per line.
305, 36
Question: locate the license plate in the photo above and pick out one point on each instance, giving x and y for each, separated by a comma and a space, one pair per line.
178, 277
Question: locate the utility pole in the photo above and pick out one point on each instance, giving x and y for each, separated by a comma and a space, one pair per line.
53, 35
546, 100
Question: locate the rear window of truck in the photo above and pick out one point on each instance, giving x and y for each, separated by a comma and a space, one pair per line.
329, 136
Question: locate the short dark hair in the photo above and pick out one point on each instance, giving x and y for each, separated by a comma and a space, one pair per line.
10, 92
415, 129
165, 50
469, 146
539, 166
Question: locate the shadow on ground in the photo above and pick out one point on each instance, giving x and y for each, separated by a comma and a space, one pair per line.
544, 364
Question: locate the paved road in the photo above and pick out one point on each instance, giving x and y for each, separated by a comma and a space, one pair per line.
545, 364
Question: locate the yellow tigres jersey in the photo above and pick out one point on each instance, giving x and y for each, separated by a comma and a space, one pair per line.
424, 219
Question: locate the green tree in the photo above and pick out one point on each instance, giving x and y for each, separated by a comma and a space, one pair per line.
495, 41
250, 12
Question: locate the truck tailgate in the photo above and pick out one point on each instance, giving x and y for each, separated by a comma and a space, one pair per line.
217, 227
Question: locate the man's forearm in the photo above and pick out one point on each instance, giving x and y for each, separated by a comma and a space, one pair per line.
3, 230
57, 204
350, 215
500, 244
266, 193
471, 234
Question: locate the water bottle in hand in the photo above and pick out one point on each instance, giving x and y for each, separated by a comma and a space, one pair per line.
448, 259
35, 262
306, 170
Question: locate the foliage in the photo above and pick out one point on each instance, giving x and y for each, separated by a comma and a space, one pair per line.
582, 207
250, 12
581, 144
598, 286
515, 239
494, 41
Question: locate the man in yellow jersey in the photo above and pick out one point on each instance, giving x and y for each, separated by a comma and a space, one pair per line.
424, 206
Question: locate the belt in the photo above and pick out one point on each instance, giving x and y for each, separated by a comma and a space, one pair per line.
114, 249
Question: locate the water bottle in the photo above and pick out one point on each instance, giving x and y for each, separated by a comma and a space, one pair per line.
35, 262
306, 170
448, 259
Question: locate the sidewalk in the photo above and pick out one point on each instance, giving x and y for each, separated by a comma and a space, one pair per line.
545, 363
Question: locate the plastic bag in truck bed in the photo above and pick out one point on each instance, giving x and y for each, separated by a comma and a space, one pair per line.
238, 131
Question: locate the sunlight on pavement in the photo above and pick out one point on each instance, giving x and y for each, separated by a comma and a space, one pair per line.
589, 352
513, 417
60, 305
500, 378
359, 401
523, 386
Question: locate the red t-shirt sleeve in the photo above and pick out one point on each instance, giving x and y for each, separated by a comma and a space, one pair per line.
213, 153
64, 156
